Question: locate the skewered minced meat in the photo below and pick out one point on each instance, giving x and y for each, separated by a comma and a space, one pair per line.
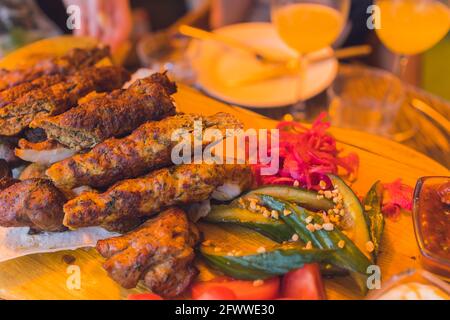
112, 115
148, 147
58, 98
160, 252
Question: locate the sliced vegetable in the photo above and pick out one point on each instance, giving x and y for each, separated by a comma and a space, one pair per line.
275, 261
243, 290
307, 155
306, 198
216, 293
347, 256
274, 229
397, 196
374, 216
331, 271
354, 215
303, 284
144, 296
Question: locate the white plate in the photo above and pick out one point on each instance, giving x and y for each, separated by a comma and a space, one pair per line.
217, 65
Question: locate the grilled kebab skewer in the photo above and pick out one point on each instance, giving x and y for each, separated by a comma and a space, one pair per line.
148, 195
9, 95
58, 98
115, 114
160, 252
148, 147
69, 63
34, 203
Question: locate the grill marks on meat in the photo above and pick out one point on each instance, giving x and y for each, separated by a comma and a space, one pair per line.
74, 60
160, 252
58, 98
115, 114
33, 203
148, 195
148, 147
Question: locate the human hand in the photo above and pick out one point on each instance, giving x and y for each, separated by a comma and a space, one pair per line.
107, 20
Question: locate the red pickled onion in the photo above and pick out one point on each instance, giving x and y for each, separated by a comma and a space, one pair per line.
399, 196
307, 155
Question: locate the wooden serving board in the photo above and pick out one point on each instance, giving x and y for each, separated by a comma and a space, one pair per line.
45, 276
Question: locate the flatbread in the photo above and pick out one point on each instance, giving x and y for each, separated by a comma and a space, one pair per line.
16, 242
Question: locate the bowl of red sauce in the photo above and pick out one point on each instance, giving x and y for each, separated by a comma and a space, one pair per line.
431, 213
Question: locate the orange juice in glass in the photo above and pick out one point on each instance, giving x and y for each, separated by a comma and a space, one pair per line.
409, 27
308, 26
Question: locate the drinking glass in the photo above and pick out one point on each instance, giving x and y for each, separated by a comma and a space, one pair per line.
354, 102
410, 27
307, 26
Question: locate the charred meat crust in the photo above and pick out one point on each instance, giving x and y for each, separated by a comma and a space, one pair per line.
69, 63
14, 93
34, 203
148, 147
148, 195
58, 98
6, 182
160, 252
115, 114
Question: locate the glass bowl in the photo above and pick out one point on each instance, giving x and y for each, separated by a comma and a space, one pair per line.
431, 230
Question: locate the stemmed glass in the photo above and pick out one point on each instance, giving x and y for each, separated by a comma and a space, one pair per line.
307, 26
410, 27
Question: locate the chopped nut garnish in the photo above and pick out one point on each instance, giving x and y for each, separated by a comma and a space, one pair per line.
295, 237
309, 219
317, 226
296, 183
370, 246
275, 214
252, 205
336, 199
342, 212
261, 250
309, 245
328, 194
310, 227
320, 192
266, 213
287, 212
328, 226
258, 283
341, 244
